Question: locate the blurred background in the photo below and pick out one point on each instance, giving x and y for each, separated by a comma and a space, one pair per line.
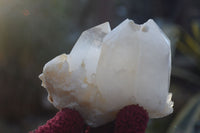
33, 32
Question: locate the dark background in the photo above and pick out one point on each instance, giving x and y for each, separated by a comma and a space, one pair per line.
32, 32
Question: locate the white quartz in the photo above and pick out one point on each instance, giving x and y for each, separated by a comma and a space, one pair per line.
107, 70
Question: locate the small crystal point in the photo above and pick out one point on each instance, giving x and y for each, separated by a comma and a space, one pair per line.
87, 49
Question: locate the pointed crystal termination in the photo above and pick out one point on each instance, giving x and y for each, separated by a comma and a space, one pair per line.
134, 68
107, 70
88, 48
70, 79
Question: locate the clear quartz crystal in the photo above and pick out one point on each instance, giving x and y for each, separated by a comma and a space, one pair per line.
87, 49
107, 70
134, 68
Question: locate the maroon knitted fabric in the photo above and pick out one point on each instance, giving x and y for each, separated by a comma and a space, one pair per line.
131, 119
65, 121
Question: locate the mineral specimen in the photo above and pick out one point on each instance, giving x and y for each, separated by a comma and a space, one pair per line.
107, 70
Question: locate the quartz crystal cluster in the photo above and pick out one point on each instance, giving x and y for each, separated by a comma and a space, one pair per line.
107, 70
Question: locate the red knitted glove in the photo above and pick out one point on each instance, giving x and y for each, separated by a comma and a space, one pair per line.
130, 119
65, 121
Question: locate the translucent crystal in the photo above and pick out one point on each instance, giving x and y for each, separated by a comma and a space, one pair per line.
107, 70
71, 79
87, 49
134, 68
